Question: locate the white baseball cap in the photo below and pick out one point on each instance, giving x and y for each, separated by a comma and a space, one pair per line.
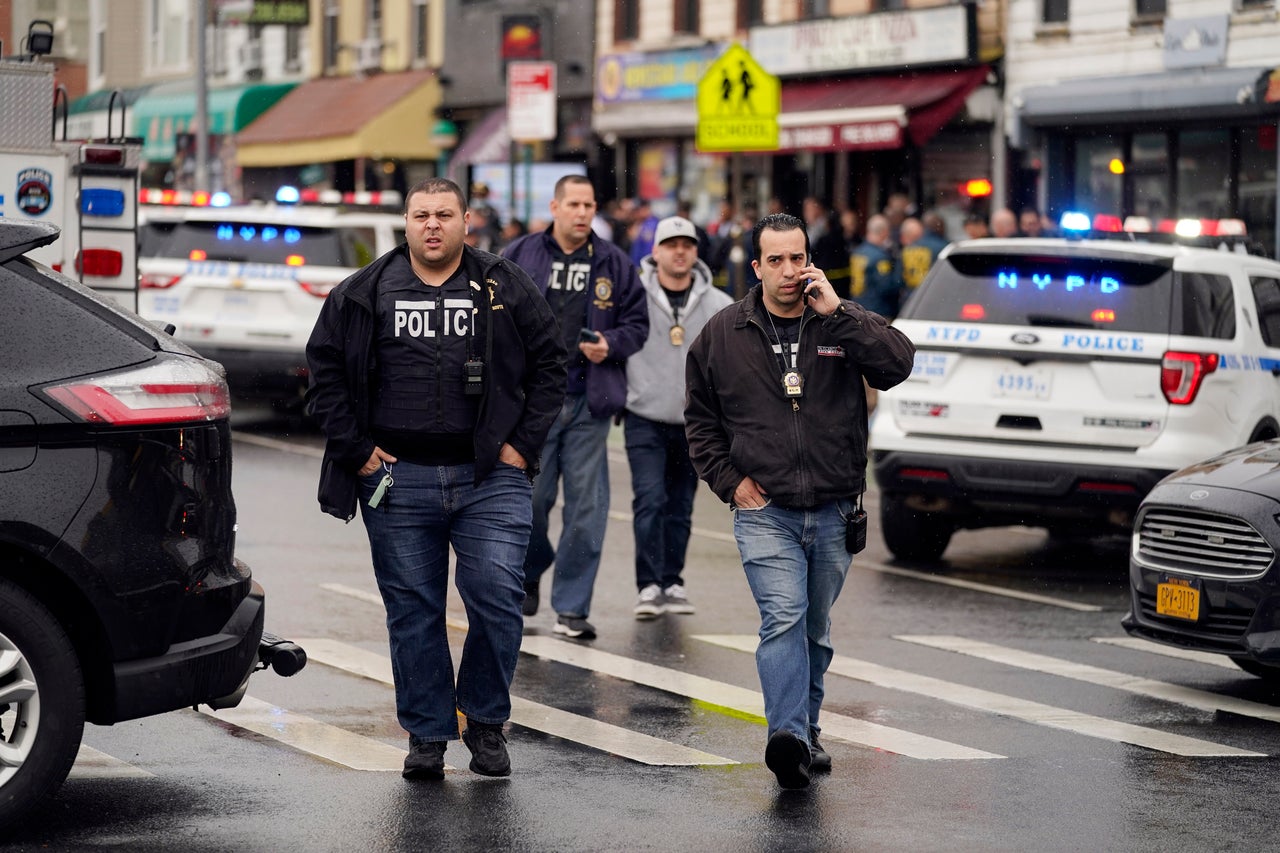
674, 226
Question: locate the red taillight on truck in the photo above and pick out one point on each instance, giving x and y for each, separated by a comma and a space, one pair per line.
169, 391
1181, 374
157, 281
318, 288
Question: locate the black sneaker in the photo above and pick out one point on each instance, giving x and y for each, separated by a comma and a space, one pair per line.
575, 628
488, 747
819, 762
425, 760
530, 606
788, 757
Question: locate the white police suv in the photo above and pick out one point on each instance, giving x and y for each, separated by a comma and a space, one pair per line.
243, 285
1058, 380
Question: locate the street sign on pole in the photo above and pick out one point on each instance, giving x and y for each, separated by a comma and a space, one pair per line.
531, 101
738, 105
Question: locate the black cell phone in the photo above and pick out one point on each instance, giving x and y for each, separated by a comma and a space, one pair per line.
587, 336
855, 532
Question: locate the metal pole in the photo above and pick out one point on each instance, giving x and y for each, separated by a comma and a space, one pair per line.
1275, 249
528, 183
202, 97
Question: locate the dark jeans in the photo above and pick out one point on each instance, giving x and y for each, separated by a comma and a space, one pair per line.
663, 484
429, 509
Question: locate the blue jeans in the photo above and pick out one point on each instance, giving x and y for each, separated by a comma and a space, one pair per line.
429, 508
663, 484
796, 563
575, 450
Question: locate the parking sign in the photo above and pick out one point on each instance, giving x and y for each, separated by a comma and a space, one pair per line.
531, 101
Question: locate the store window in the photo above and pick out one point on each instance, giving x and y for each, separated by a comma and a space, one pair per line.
1256, 183
1098, 188
626, 20
331, 43
750, 13
1204, 173
814, 9
169, 30
420, 10
686, 16
1148, 171
1054, 11
1149, 10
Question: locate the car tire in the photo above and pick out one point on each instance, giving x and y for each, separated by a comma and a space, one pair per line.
42, 686
1266, 671
911, 534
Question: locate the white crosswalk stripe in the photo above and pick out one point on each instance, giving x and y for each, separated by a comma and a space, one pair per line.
1138, 644
1202, 700
93, 764
1009, 706
584, 730
744, 701
311, 736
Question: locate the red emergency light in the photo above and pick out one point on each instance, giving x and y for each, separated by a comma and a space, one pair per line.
104, 263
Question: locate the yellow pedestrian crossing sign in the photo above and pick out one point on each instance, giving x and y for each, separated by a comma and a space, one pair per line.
738, 104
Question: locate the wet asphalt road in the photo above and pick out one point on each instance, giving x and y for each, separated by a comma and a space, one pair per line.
974, 705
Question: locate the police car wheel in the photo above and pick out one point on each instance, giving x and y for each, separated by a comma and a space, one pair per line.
913, 535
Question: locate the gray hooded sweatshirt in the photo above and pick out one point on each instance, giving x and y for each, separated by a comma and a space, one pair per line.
655, 374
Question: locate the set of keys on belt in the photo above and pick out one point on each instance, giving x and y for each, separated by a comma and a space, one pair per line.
381, 491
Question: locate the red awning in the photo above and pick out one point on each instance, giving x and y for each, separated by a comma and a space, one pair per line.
869, 113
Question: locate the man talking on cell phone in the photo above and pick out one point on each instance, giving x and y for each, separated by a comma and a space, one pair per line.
596, 295
777, 426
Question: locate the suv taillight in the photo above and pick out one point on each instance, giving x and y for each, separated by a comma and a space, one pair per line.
1182, 372
320, 289
176, 390
157, 281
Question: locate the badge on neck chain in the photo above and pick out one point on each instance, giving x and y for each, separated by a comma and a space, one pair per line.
677, 335
793, 383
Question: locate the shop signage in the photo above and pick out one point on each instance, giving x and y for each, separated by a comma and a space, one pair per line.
668, 75
1195, 42
295, 13
882, 40
738, 105
531, 101
855, 136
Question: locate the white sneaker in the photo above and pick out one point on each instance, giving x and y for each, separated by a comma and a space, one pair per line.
677, 601
650, 604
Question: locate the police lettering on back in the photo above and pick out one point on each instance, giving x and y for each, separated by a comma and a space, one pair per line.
421, 319
569, 276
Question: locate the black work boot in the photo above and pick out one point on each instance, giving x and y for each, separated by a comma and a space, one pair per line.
425, 759
488, 747
788, 757
530, 605
819, 762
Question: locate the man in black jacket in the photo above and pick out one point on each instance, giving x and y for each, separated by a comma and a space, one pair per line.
777, 426
436, 373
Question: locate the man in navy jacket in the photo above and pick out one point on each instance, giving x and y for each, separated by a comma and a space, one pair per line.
596, 295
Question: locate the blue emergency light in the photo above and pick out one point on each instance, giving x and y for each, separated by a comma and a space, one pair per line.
221, 198
1074, 220
100, 201
287, 195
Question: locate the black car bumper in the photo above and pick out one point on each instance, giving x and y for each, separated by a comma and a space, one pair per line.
192, 672
260, 373
981, 492
1240, 619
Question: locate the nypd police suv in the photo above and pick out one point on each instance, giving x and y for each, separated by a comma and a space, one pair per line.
1058, 380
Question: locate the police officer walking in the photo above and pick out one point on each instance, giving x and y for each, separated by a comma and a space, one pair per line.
436, 372
777, 426
877, 281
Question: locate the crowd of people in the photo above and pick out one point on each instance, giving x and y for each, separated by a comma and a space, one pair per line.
744, 352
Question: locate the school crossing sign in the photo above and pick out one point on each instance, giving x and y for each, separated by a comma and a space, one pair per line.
738, 105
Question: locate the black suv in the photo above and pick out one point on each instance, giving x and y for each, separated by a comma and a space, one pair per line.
120, 596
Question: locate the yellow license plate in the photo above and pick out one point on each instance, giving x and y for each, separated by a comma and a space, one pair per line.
1179, 600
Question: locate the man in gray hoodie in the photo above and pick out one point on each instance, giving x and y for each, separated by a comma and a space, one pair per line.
681, 299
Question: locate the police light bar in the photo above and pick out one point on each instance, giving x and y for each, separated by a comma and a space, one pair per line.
175, 198
1075, 221
371, 198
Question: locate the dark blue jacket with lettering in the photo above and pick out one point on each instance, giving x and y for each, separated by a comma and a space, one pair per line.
524, 371
617, 309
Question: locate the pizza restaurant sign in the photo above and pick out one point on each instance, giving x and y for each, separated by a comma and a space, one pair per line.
885, 39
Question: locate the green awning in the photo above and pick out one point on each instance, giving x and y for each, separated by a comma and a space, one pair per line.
169, 109
101, 99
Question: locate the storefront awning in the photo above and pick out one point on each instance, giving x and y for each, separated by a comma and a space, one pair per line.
87, 115
1192, 94
647, 118
170, 108
876, 112
382, 116
488, 141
